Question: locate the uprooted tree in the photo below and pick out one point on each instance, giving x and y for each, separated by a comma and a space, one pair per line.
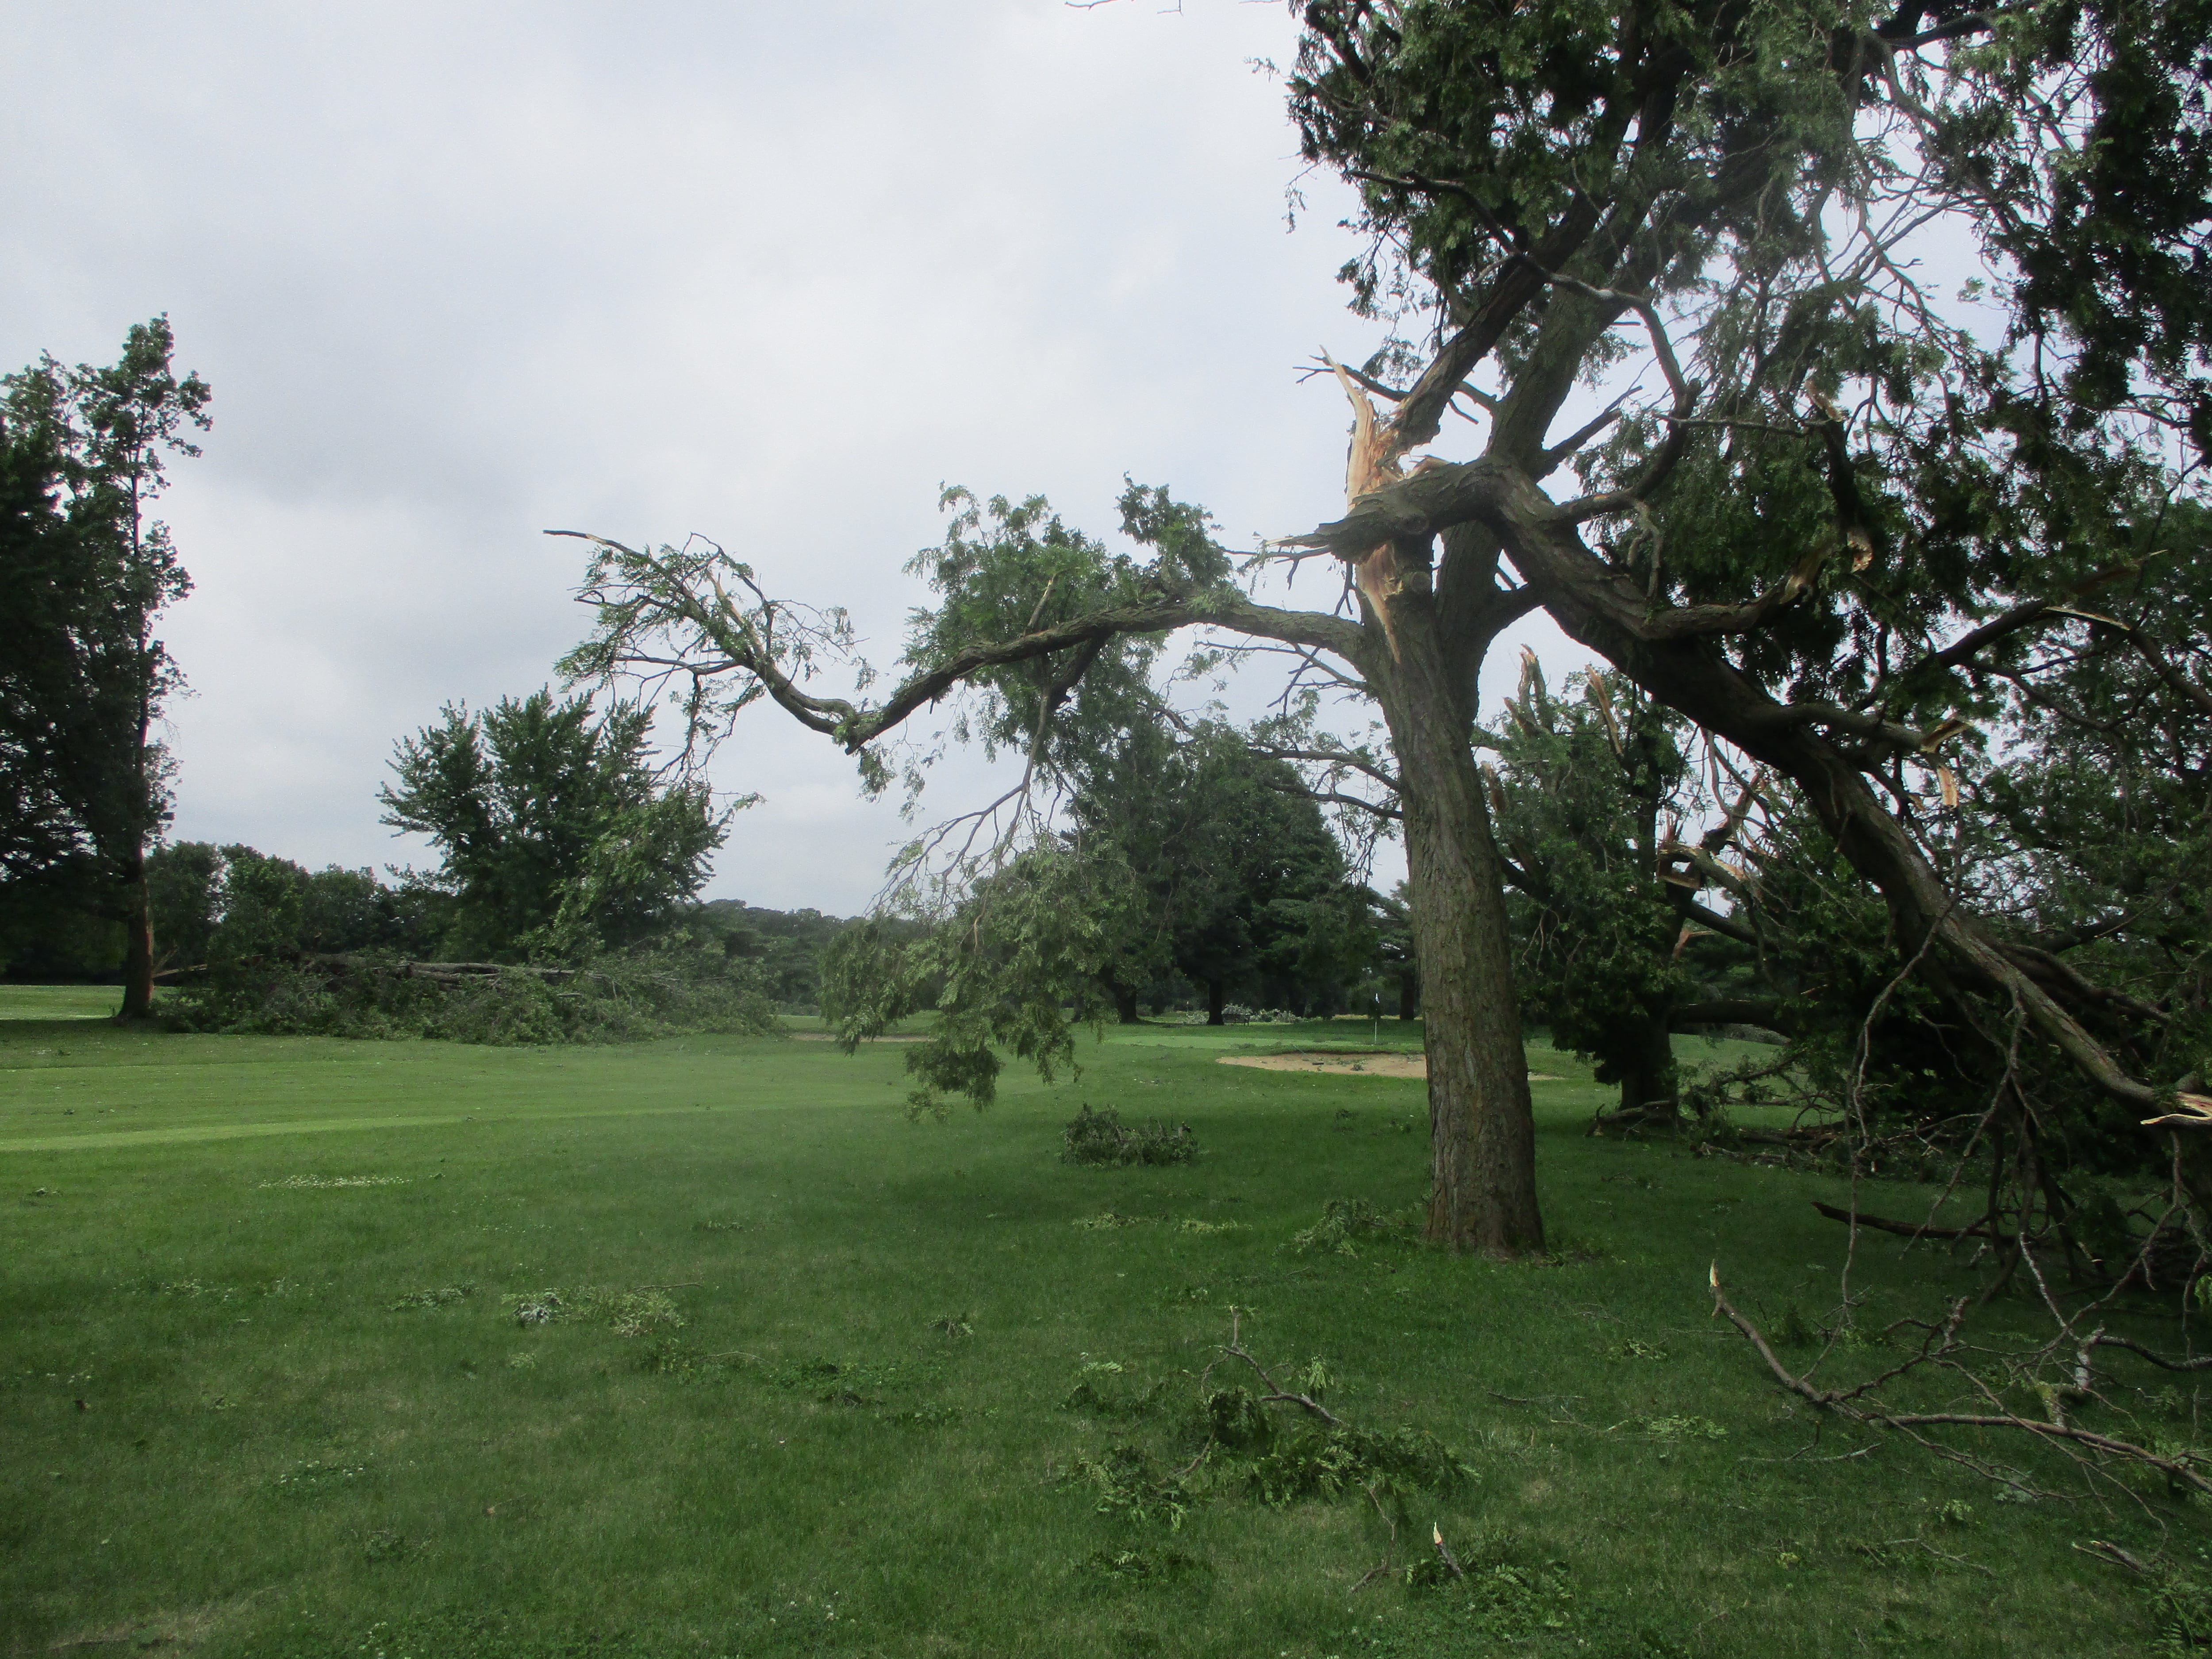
1837, 521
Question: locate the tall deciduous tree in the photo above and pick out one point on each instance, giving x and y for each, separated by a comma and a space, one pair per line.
1836, 534
83, 676
1244, 890
1841, 502
558, 838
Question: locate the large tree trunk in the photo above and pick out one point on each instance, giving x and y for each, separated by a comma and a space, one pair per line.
1481, 1132
1649, 1085
138, 944
1409, 992
1217, 995
1124, 1002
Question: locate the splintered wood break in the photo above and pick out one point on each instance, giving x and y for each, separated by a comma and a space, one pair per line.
1371, 463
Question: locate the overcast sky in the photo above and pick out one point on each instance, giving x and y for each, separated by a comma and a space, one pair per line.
460, 273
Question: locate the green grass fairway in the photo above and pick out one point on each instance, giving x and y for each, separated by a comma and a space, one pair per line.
266, 1392
60, 1001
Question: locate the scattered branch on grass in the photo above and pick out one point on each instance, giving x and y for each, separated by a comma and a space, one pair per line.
1388, 1567
1938, 1348
2202, 1362
2104, 1551
1235, 1349
1909, 1229
1102, 1138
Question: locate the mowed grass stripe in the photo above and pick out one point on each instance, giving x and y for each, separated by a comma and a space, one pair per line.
322, 1125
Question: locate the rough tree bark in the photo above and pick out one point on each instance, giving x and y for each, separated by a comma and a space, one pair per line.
1481, 1132
1649, 1087
138, 943
1124, 1003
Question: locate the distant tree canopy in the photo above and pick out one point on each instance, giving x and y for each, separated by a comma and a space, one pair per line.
785, 946
84, 678
225, 904
1243, 890
557, 837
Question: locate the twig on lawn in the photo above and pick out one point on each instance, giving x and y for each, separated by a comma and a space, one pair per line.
1235, 1349
1388, 1565
2104, 1551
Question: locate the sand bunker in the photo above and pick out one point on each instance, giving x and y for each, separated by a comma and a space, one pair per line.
1392, 1064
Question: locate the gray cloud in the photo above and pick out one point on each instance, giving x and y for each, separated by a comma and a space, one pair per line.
461, 273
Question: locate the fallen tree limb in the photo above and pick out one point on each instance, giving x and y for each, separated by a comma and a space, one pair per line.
1908, 1229
2202, 1362
1941, 1341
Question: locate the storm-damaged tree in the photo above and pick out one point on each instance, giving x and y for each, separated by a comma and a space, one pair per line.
83, 783
1634, 859
1056, 636
1859, 514
1842, 513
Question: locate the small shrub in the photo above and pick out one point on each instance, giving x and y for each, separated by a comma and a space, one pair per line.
1102, 1138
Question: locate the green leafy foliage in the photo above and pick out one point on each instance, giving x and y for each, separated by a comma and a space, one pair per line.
83, 677
1239, 886
1125, 1482
1345, 1225
557, 838
1017, 966
1342, 1462
1101, 1138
